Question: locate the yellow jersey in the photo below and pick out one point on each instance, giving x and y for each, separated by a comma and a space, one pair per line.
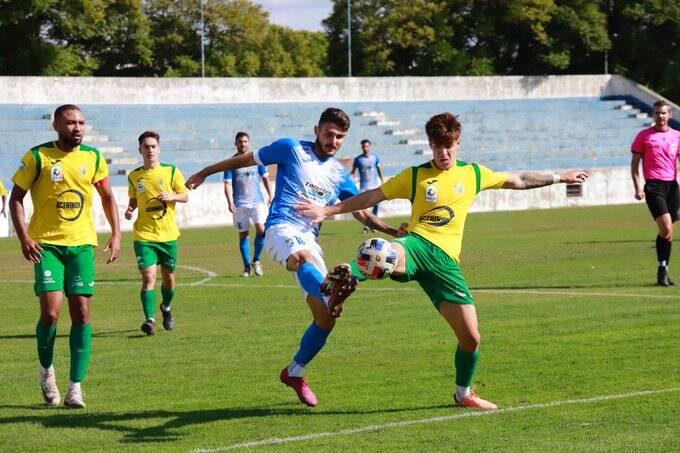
440, 199
155, 218
61, 190
3, 191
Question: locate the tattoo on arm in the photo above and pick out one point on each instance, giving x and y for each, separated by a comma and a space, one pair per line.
375, 223
533, 180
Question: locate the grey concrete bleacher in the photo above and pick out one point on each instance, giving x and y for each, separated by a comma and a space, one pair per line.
502, 134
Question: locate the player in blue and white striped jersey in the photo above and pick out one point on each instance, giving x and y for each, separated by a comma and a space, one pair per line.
306, 171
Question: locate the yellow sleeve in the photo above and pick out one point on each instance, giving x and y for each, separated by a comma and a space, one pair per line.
132, 190
178, 182
3, 191
27, 172
103, 170
398, 186
491, 179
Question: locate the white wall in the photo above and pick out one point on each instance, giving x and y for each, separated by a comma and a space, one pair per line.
207, 205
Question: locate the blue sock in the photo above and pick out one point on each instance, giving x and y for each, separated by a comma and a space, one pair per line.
244, 245
310, 279
312, 341
259, 244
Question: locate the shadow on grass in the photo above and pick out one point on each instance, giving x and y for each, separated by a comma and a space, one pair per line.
31, 336
168, 431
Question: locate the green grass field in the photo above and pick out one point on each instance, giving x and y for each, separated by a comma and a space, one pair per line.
579, 350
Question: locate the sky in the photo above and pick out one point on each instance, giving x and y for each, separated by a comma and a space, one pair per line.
297, 14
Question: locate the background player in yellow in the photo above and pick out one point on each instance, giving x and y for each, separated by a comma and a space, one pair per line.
60, 240
154, 188
441, 192
3, 194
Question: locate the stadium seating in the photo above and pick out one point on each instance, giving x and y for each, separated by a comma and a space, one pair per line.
502, 134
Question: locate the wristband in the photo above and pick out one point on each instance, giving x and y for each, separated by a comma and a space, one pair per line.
557, 179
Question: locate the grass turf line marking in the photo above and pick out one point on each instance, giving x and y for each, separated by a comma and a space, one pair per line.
424, 421
210, 274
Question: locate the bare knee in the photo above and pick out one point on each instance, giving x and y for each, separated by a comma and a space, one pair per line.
296, 260
326, 324
470, 341
49, 317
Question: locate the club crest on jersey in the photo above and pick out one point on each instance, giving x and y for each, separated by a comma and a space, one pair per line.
21, 165
159, 182
431, 194
140, 187
83, 170
57, 173
460, 188
674, 148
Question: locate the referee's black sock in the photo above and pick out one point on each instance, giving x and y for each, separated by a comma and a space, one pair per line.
663, 251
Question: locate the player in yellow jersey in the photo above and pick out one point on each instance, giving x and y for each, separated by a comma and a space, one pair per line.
154, 188
441, 192
60, 240
3, 194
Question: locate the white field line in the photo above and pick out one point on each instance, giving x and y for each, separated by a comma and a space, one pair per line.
425, 421
211, 275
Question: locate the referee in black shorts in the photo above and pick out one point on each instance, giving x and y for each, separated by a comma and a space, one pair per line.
658, 148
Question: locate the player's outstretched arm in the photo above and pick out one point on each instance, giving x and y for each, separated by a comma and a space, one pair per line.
318, 214
367, 218
529, 180
242, 160
111, 212
29, 248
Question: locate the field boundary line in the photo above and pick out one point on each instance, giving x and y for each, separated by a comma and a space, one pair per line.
424, 421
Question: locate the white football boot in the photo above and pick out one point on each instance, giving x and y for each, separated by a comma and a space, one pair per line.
74, 396
48, 383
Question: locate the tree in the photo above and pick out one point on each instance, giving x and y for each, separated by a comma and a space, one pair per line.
646, 35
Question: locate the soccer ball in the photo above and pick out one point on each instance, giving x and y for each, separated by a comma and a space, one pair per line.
376, 258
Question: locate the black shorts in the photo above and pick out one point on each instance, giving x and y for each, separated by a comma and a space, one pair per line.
662, 197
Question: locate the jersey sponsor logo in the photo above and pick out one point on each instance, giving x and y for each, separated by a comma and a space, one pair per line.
57, 173
315, 191
70, 204
437, 216
156, 209
431, 193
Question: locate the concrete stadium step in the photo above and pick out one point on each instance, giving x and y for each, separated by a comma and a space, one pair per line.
111, 149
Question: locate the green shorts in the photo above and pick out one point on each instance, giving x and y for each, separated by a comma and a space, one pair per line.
65, 268
435, 271
153, 253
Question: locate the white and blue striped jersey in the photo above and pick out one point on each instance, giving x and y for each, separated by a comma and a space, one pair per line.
245, 184
301, 174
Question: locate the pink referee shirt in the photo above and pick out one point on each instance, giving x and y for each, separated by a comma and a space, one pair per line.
659, 151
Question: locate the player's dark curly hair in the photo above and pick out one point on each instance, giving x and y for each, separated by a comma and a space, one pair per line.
147, 134
443, 129
335, 116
